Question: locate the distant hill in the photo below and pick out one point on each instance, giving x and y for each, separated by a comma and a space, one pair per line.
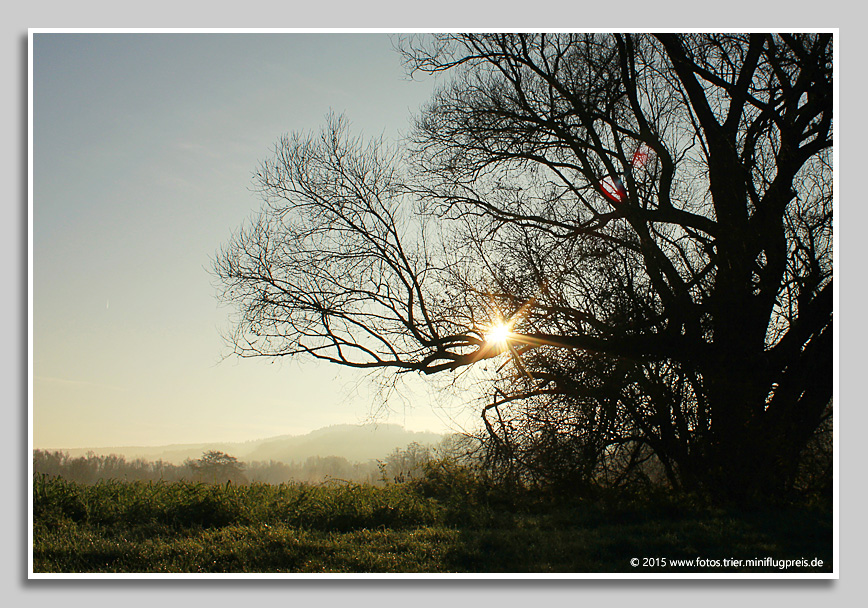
356, 443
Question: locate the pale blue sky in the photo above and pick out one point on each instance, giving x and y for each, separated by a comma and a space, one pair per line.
144, 146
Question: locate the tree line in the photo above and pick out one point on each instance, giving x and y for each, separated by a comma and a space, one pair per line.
218, 467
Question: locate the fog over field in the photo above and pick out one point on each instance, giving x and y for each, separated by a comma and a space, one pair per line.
356, 443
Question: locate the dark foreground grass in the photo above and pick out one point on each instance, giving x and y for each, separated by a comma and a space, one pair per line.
190, 528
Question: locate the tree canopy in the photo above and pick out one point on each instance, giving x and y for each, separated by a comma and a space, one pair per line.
639, 226
215, 466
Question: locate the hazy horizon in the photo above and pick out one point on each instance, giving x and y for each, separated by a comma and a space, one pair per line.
143, 150
243, 441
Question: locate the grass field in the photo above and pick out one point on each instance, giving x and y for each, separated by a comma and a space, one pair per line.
408, 527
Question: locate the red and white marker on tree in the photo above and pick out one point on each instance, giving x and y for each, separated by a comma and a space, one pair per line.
613, 188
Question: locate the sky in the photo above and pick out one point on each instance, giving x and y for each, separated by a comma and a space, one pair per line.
144, 147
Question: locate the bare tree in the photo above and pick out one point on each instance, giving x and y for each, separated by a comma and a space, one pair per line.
639, 226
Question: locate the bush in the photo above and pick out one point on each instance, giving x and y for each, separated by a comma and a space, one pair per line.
469, 496
55, 500
205, 506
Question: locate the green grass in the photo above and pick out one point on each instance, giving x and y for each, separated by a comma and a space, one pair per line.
464, 527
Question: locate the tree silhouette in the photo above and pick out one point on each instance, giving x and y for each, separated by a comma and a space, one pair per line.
216, 467
639, 226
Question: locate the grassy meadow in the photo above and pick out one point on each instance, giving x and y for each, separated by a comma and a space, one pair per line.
453, 523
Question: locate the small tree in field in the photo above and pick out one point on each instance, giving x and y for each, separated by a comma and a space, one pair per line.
218, 467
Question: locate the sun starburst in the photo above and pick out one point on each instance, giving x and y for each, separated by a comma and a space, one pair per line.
499, 333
